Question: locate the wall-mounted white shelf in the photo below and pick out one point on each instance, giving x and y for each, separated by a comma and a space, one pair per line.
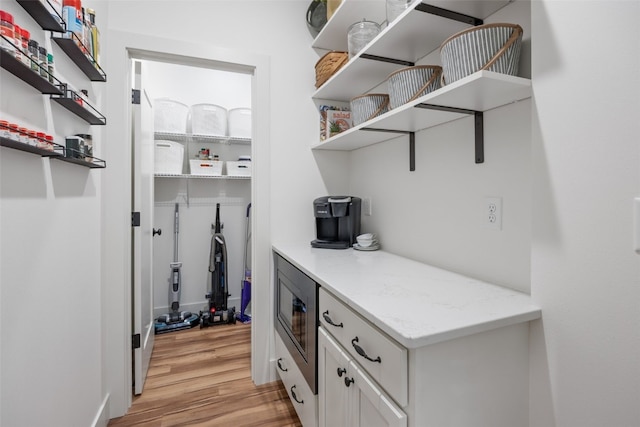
481, 91
411, 36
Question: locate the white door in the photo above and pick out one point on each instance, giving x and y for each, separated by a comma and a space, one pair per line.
142, 193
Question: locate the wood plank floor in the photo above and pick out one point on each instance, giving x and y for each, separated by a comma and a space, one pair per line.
202, 377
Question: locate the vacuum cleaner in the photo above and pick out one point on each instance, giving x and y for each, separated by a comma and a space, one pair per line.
217, 312
176, 320
245, 296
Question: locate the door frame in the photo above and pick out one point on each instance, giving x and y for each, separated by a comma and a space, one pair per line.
122, 48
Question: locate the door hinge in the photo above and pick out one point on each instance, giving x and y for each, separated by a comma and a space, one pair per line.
135, 96
135, 341
135, 219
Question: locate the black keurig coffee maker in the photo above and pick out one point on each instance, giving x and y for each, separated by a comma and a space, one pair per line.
337, 221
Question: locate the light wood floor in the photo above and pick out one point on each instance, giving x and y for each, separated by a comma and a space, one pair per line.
202, 377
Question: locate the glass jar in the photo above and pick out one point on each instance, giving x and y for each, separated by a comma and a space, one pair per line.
49, 140
7, 31
360, 34
4, 129
42, 142
17, 42
13, 132
24, 45
50, 67
33, 54
42, 62
33, 137
395, 8
23, 133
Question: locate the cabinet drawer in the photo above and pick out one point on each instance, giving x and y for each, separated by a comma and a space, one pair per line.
304, 402
382, 358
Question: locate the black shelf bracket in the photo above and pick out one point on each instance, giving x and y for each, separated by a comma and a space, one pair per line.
389, 60
412, 143
478, 125
449, 14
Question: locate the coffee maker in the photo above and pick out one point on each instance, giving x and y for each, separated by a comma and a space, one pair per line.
337, 221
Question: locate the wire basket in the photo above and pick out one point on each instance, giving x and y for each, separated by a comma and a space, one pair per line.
328, 65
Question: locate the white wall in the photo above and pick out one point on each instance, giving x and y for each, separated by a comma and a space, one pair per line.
198, 197
435, 214
50, 215
585, 351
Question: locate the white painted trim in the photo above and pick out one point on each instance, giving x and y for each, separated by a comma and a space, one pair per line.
122, 47
102, 417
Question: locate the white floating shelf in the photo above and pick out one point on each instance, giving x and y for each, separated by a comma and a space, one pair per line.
188, 176
481, 91
410, 37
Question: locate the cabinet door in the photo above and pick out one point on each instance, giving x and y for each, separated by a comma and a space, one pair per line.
370, 407
333, 394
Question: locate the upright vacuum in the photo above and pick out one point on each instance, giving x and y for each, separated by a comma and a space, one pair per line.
217, 312
176, 320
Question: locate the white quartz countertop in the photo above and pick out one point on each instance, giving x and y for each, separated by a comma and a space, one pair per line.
414, 303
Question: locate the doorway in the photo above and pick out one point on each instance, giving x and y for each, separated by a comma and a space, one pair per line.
125, 47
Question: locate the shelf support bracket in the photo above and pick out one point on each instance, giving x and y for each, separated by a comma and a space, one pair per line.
412, 143
449, 14
478, 125
389, 60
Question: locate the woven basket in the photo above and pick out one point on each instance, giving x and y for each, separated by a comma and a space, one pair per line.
493, 47
411, 83
328, 65
366, 107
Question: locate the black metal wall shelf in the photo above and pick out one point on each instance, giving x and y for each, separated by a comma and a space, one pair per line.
10, 143
27, 75
86, 63
79, 106
43, 15
75, 157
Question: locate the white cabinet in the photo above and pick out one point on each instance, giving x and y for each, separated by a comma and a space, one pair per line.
347, 395
304, 401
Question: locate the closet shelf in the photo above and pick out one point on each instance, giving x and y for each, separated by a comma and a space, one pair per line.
43, 15
481, 91
187, 176
24, 73
86, 63
188, 137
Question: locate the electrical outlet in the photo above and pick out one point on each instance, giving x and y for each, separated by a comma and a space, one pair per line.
493, 212
366, 206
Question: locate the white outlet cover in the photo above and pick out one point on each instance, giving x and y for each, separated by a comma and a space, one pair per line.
492, 212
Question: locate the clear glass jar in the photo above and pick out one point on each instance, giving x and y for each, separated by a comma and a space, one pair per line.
360, 34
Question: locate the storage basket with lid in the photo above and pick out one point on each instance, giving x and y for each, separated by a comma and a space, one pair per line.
366, 107
411, 83
494, 47
328, 65
170, 116
208, 119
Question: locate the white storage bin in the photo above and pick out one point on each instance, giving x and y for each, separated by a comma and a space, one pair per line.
206, 167
240, 122
170, 116
240, 168
208, 119
168, 157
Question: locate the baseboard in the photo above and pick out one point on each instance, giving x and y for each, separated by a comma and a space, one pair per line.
102, 417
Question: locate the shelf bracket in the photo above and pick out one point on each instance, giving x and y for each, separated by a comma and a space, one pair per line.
449, 14
412, 143
478, 125
389, 60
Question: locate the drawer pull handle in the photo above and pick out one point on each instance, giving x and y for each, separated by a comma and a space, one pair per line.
348, 381
329, 321
280, 366
363, 353
341, 371
293, 394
